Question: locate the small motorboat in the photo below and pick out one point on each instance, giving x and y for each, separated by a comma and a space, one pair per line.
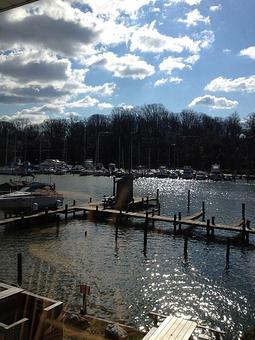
32, 198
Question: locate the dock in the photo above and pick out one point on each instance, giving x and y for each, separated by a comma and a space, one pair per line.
145, 209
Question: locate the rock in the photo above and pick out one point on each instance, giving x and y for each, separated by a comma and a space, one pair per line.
114, 331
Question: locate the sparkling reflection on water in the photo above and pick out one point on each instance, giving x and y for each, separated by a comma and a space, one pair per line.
128, 282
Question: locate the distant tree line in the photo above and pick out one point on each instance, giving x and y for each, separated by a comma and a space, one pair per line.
149, 135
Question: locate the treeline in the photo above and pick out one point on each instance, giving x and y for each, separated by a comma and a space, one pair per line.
149, 135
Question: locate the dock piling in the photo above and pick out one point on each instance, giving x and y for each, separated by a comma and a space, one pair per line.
57, 220
66, 211
175, 224
247, 234
146, 230
227, 253
203, 211
185, 248
188, 200
159, 209
19, 267
157, 197
74, 202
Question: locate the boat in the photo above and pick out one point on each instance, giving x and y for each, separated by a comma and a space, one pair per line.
187, 172
201, 176
34, 197
216, 174
163, 172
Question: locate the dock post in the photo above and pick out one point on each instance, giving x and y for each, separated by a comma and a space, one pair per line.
208, 229
19, 264
227, 253
147, 201
212, 228
185, 248
243, 211
74, 202
158, 209
243, 231
153, 221
57, 220
157, 198
145, 230
116, 232
66, 211
179, 218
90, 200
203, 211
114, 186
175, 224
247, 234
188, 200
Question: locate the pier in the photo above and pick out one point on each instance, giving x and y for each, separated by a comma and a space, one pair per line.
145, 209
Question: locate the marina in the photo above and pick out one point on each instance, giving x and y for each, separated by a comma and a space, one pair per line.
57, 252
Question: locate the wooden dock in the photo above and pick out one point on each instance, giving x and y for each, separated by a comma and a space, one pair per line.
146, 209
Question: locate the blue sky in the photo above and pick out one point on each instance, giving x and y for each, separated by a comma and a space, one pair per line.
80, 57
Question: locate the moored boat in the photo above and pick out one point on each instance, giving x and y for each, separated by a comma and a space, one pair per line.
216, 174
35, 196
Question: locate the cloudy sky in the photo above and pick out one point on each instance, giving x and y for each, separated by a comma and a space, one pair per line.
79, 57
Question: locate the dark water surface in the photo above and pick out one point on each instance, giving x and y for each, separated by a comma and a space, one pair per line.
127, 282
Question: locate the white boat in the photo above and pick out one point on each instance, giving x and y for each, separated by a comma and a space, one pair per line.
216, 174
34, 197
188, 172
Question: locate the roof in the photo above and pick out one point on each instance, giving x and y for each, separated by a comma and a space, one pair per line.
6, 5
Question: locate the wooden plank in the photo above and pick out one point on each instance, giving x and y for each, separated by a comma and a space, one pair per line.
149, 334
186, 330
170, 320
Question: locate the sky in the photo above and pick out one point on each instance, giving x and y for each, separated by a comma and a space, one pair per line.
68, 58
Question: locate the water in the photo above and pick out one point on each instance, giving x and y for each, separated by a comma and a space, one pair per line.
127, 282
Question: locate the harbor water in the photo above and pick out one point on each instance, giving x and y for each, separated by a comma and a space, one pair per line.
128, 281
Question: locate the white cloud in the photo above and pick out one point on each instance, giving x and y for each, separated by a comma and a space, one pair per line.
148, 39
188, 2
241, 84
214, 102
169, 64
248, 52
192, 59
194, 17
226, 50
216, 8
112, 8
127, 66
163, 81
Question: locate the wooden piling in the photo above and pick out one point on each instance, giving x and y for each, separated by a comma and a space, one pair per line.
188, 200
146, 230
74, 202
147, 201
157, 197
114, 186
19, 268
66, 211
203, 211
90, 200
227, 253
57, 220
116, 232
159, 209
243, 232
185, 247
